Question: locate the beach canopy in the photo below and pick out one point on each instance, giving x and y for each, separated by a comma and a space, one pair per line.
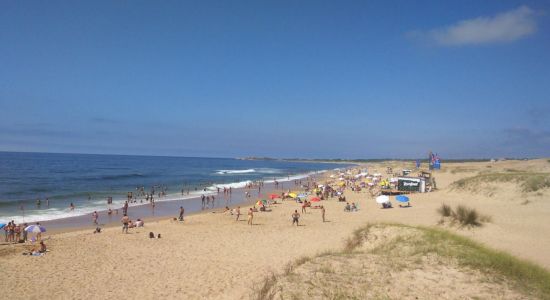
292, 195
382, 199
402, 198
273, 196
315, 199
35, 228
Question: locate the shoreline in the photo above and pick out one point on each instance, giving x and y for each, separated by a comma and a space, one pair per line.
170, 208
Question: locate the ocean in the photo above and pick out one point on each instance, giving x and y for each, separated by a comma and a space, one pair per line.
88, 180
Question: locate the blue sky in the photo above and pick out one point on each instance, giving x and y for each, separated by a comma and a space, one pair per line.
352, 79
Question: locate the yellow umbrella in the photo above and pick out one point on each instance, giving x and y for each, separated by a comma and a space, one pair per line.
341, 183
292, 195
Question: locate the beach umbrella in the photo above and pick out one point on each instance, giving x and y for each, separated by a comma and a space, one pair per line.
382, 199
261, 202
315, 199
292, 195
35, 228
273, 196
2, 225
402, 198
302, 195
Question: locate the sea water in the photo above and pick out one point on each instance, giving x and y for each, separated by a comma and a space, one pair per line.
88, 180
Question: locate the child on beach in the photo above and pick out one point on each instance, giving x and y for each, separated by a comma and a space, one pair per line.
125, 221
295, 217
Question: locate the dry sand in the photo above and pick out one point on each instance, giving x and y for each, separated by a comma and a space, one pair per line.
213, 256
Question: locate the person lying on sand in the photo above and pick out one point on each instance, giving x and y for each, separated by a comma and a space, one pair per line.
38, 251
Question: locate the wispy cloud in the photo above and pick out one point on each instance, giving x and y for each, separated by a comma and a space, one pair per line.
501, 28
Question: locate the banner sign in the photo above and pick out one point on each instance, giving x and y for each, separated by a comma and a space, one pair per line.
408, 184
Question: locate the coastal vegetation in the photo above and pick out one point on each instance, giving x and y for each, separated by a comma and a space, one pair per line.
527, 181
377, 254
463, 216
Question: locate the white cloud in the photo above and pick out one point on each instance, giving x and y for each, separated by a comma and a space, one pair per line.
502, 28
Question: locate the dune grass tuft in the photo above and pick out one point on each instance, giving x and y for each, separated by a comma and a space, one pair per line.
265, 289
463, 215
445, 210
356, 239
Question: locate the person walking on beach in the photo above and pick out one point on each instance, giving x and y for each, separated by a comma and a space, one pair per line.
181, 213
323, 212
125, 220
202, 200
238, 213
94, 217
295, 217
250, 216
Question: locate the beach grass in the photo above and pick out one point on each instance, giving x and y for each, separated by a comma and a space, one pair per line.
528, 181
399, 253
445, 210
462, 215
529, 277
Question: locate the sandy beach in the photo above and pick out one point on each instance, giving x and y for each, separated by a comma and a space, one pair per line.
213, 256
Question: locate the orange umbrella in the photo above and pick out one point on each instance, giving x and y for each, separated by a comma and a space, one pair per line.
315, 199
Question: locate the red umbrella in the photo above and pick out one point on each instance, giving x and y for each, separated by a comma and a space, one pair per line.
315, 199
273, 196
